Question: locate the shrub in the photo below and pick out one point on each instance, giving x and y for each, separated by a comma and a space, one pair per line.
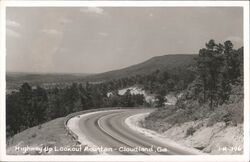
236, 113
33, 135
190, 131
228, 113
40, 126
219, 115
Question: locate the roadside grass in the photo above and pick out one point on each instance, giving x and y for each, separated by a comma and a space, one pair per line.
190, 131
231, 113
51, 134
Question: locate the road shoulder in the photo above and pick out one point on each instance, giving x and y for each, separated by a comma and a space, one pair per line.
134, 123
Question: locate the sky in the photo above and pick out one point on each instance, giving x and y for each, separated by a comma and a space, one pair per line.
95, 39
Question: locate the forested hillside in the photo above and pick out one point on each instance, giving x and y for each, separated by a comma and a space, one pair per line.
170, 62
216, 92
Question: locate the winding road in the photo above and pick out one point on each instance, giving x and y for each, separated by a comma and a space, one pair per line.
108, 131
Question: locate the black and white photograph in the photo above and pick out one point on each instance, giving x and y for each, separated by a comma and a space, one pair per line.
101, 81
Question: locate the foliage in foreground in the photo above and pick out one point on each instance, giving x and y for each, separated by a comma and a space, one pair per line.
32, 106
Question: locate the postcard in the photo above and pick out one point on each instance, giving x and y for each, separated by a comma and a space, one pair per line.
124, 81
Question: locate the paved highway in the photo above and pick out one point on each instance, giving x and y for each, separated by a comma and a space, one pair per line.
108, 131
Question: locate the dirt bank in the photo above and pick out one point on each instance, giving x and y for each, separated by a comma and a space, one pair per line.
217, 139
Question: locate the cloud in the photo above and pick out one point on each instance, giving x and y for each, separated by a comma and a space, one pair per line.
51, 31
151, 15
12, 33
65, 21
63, 50
103, 34
95, 10
11, 23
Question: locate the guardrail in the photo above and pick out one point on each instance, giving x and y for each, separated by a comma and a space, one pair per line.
72, 134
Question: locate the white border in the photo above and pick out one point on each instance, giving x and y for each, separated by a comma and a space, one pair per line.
189, 158
2, 79
35, 3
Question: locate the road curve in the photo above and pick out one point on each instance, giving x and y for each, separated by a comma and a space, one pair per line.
109, 132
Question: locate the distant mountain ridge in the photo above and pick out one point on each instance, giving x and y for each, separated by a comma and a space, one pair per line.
16, 79
158, 62
39, 77
169, 62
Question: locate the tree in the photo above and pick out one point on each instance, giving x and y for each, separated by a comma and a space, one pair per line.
233, 62
14, 117
127, 99
71, 96
210, 64
39, 105
55, 105
25, 104
160, 99
218, 66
